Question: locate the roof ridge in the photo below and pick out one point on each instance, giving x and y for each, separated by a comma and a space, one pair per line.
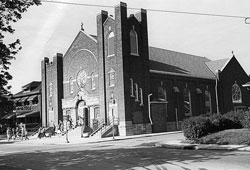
180, 52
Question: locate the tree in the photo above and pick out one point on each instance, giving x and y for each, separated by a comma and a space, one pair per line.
10, 12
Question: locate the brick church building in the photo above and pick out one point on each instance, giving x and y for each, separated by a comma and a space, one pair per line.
117, 78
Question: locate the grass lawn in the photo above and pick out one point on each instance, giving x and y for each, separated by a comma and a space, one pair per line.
228, 137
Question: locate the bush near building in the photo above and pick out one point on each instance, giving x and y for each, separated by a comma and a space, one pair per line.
199, 126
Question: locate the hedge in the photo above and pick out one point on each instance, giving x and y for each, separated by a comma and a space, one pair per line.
199, 126
196, 127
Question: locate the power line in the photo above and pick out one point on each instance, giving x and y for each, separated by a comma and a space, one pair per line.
153, 10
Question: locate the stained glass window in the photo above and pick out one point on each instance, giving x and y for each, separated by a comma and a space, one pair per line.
208, 105
111, 44
133, 42
187, 102
236, 94
111, 78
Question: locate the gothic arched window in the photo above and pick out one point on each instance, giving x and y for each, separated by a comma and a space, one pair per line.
162, 94
133, 42
187, 102
111, 74
50, 90
236, 93
208, 105
141, 96
111, 44
132, 93
136, 92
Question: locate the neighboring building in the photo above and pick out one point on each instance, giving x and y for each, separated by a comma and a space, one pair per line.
231, 79
28, 106
116, 77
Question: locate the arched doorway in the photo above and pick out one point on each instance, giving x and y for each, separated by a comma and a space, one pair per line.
82, 114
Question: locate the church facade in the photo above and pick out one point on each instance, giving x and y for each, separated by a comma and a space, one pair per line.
116, 78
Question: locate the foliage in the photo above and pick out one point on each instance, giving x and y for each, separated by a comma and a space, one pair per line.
196, 127
10, 12
5, 105
226, 121
246, 120
231, 137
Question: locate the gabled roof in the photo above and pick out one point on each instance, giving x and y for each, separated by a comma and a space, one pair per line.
176, 63
23, 93
81, 32
32, 84
217, 64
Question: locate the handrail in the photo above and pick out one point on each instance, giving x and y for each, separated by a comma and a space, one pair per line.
100, 126
34, 130
107, 127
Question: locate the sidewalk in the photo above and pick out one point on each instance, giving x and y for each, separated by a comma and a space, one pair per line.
76, 139
178, 142
61, 140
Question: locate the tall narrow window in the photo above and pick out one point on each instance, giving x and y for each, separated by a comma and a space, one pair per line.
111, 44
97, 113
133, 42
93, 84
50, 90
132, 94
208, 105
136, 93
187, 102
236, 93
111, 78
162, 94
141, 96
71, 85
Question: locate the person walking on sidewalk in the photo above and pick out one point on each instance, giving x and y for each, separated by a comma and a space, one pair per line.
8, 133
24, 133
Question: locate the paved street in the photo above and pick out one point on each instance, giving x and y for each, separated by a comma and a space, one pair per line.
136, 153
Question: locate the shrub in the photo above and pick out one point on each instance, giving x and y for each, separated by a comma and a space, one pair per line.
219, 122
236, 119
196, 127
246, 120
199, 126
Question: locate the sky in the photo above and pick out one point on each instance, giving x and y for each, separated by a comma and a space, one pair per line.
51, 28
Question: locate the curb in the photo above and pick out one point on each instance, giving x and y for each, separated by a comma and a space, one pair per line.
204, 147
176, 146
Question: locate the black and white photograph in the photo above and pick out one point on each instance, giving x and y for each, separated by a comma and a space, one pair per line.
124, 85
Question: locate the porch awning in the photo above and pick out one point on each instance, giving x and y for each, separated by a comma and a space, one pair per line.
9, 116
32, 97
16, 100
30, 114
23, 99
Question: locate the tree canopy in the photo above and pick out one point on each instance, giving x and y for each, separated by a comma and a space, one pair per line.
10, 12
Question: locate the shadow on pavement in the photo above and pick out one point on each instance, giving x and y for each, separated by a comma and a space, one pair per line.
110, 159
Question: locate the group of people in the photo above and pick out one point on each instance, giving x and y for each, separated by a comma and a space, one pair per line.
18, 132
